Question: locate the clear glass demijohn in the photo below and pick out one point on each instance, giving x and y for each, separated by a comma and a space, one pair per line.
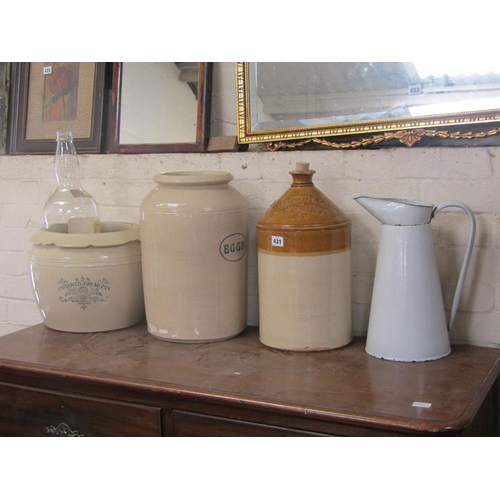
70, 208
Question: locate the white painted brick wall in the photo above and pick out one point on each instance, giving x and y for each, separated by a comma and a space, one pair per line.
434, 175
120, 182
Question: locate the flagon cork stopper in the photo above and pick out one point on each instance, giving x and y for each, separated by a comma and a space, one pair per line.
302, 167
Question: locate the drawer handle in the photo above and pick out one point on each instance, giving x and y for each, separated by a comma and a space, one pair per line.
62, 430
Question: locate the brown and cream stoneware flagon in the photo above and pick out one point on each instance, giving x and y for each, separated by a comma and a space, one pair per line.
304, 270
194, 234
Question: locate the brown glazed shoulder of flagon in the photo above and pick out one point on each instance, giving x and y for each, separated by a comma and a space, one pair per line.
303, 221
303, 207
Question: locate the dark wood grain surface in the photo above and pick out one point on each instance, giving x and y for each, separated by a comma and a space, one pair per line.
344, 385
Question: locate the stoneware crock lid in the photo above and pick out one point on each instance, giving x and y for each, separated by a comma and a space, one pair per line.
112, 234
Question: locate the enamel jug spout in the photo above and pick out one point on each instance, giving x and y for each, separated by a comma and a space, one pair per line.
396, 212
407, 316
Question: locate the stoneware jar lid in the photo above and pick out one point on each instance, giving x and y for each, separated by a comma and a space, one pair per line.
112, 234
194, 178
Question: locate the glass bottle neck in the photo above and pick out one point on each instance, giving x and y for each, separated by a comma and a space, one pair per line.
66, 164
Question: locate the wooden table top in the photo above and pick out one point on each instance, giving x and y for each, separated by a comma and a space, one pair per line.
345, 385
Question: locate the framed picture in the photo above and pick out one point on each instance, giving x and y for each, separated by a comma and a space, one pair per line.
56, 96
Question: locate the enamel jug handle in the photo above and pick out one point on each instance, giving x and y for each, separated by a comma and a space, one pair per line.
468, 253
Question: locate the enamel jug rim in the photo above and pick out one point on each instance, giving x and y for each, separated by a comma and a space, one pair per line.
398, 200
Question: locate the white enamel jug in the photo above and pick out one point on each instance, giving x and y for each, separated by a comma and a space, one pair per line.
407, 316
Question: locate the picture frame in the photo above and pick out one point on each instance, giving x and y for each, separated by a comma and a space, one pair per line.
50, 97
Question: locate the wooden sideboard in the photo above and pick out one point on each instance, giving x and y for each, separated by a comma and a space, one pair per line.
127, 383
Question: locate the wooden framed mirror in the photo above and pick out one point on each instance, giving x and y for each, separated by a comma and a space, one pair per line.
348, 105
161, 107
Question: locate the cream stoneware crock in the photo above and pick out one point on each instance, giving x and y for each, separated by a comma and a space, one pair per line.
194, 234
88, 282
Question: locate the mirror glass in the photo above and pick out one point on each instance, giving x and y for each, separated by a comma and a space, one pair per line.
159, 102
160, 107
300, 99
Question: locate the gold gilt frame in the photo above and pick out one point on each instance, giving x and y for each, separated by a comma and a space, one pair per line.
406, 131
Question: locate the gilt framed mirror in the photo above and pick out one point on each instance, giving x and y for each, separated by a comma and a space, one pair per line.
159, 107
355, 104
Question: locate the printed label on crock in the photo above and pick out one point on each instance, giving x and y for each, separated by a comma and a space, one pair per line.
277, 241
83, 291
233, 247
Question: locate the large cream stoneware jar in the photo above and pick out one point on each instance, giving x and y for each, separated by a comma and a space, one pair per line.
194, 234
88, 282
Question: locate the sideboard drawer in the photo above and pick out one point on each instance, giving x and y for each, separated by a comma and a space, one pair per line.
32, 412
194, 424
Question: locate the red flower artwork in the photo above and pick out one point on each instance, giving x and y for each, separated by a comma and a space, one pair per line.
60, 93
